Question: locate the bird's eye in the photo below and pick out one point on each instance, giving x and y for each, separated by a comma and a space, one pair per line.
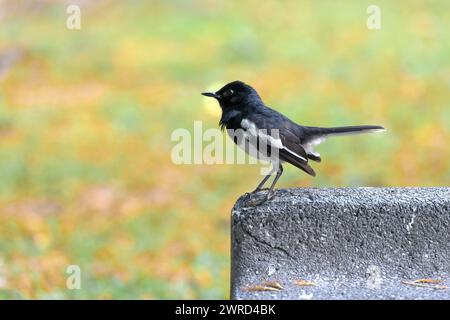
228, 93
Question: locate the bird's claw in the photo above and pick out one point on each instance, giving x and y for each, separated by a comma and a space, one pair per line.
255, 198
270, 195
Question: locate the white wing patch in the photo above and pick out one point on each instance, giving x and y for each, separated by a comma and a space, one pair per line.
294, 154
252, 130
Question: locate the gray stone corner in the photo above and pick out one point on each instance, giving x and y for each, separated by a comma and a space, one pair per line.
347, 243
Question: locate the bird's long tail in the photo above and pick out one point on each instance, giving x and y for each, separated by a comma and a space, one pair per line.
336, 131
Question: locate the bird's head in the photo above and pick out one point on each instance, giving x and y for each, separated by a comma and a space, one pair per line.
235, 95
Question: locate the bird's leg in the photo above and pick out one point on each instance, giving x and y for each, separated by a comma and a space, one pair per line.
270, 194
256, 199
261, 184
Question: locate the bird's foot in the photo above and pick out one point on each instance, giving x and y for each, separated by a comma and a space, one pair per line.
270, 195
256, 198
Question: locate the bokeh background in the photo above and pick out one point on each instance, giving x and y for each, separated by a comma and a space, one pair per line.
86, 116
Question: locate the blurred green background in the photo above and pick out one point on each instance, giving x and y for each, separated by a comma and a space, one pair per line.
86, 116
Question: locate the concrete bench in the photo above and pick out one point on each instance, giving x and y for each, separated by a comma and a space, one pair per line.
351, 243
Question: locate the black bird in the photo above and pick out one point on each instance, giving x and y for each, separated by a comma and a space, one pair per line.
243, 109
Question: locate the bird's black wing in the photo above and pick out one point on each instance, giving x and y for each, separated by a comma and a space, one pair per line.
288, 141
292, 151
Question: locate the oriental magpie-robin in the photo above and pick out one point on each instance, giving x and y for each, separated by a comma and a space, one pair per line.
243, 109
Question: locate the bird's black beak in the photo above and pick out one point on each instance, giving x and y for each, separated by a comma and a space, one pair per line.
211, 94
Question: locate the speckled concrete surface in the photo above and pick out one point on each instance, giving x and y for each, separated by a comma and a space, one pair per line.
353, 243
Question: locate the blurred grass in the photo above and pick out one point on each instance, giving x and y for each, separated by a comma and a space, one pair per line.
86, 118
